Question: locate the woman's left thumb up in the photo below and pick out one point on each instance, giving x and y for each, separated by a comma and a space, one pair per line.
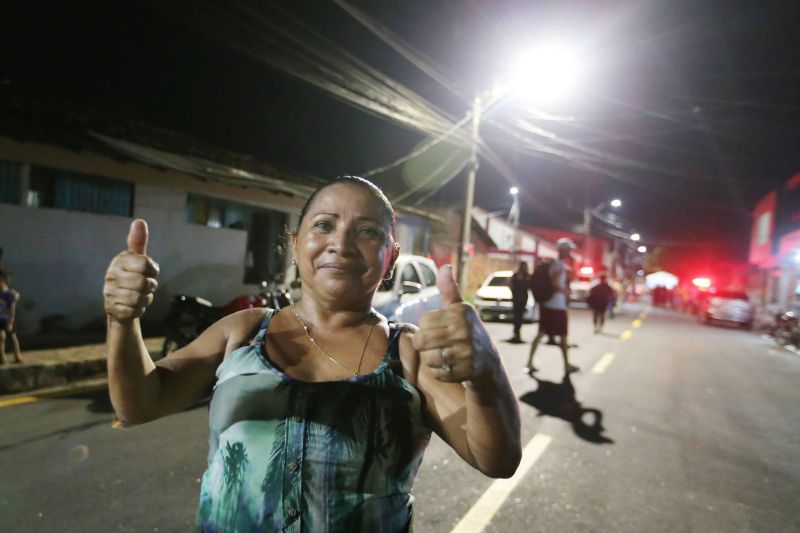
447, 286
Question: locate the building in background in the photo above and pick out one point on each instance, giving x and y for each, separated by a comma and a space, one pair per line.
71, 182
775, 247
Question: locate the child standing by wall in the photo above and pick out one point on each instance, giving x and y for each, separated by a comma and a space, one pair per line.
8, 304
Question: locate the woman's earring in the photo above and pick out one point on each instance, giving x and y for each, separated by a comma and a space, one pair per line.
294, 261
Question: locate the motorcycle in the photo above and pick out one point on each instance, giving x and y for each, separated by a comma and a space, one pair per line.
786, 328
189, 316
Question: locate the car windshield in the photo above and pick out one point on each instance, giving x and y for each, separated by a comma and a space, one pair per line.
732, 295
498, 281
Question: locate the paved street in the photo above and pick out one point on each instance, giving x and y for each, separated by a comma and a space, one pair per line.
670, 426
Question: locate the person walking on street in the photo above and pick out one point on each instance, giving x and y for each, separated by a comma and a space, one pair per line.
8, 304
520, 286
553, 312
599, 298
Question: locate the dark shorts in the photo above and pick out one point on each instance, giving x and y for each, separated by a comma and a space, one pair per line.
553, 321
3, 323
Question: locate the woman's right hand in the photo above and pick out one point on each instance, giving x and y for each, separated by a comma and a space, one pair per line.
131, 279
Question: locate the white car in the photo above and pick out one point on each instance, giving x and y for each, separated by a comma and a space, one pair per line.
580, 286
493, 299
728, 306
410, 292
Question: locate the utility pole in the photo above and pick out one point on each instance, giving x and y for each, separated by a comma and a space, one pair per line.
469, 194
587, 222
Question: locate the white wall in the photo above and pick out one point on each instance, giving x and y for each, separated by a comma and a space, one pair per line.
546, 250
502, 232
58, 259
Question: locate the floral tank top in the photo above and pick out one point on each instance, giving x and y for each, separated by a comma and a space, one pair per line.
289, 455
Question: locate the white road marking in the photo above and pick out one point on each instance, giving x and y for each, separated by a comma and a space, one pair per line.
603, 363
479, 516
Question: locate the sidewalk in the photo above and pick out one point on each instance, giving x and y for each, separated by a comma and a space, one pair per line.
57, 367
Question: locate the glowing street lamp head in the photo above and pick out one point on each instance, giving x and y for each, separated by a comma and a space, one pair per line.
642, 249
546, 72
513, 191
616, 202
636, 237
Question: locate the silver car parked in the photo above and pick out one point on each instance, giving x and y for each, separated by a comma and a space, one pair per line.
410, 292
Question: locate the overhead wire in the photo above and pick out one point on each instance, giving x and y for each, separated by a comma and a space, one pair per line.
412, 55
311, 59
322, 63
420, 149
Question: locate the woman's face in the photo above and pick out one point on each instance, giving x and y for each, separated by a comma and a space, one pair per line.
343, 246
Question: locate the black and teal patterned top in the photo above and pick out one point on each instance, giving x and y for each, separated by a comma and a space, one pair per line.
289, 455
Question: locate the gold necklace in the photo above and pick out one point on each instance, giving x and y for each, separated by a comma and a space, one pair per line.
326, 354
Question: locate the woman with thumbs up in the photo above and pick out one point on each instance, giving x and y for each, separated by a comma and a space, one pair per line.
320, 412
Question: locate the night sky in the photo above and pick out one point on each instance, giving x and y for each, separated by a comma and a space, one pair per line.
689, 110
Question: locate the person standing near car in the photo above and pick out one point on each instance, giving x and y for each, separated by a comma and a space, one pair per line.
520, 286
553, 312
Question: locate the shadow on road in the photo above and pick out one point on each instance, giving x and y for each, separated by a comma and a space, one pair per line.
558, 400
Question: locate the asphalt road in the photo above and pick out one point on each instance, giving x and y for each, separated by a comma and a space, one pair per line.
683, 427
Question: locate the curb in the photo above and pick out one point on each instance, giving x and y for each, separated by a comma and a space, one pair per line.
60, 367
15, 379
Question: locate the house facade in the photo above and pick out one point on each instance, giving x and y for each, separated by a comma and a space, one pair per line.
775, 247
68, 195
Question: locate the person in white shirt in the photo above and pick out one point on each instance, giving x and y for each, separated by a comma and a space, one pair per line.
553, 312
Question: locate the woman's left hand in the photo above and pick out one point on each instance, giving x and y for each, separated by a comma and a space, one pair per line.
452, 341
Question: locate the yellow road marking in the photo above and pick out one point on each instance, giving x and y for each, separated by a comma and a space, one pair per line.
479, 516
603, 363
627, 334
636, 323
18, 401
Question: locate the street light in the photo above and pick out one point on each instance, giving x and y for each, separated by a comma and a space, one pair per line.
513, 213
636, 237
542, 72
642, 249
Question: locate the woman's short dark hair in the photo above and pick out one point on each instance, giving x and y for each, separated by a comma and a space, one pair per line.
386, 206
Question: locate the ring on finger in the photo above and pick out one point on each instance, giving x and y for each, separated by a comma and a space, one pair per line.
445, 362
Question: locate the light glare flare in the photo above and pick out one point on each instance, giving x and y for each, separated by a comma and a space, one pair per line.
546, 73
